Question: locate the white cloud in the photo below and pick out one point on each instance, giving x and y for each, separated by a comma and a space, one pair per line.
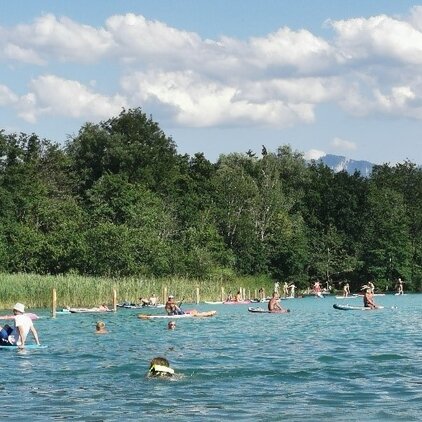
379, 37
300, 50
51, 38
371, 67
195, 101
51, 95
314, 154
7, 97
343, 144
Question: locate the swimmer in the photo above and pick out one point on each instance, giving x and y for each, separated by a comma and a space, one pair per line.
160, 367
100, 328
171, 325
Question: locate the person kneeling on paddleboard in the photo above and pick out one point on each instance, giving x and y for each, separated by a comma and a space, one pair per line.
172, 308
160, 367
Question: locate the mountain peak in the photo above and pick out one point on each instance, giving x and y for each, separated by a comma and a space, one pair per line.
339, 163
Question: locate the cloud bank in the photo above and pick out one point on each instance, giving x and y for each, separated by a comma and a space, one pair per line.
367, 67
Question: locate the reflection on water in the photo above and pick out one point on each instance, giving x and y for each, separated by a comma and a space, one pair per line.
316, 363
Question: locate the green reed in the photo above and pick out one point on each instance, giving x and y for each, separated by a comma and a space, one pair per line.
35, 291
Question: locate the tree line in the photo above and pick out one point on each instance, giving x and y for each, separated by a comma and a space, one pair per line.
119, 200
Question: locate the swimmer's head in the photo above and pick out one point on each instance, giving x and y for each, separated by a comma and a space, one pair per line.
100, 326
160, 367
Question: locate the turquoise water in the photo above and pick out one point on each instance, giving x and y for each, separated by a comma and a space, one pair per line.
314, 364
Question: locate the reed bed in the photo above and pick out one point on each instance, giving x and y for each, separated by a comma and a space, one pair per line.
35, 291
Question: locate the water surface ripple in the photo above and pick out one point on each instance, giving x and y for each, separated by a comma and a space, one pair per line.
314, 364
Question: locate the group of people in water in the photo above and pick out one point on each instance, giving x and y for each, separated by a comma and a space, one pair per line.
159, 366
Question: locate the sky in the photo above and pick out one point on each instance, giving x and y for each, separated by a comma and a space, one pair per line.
339, 77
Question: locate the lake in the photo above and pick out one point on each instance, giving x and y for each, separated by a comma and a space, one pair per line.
314, 364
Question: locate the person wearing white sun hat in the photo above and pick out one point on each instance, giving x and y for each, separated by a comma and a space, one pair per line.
23, 325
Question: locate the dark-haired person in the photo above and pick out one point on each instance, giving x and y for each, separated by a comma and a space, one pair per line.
160, 367
368, 301
171, 307
274, 305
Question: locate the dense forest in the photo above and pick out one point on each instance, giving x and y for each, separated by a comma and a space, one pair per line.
118, 200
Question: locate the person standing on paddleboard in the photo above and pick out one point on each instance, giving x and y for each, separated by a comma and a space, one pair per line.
400, 289
346, 290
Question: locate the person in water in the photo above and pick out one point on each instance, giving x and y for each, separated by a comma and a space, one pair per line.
160, 367
274, 305
100, 328
368, 301
23, 325
171, 325
171, 307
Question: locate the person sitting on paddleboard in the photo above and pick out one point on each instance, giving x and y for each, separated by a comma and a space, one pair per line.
172, 308
5, 332
273, 304
23, 325
368, 301
160, 367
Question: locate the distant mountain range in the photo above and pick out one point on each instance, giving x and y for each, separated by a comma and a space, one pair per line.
338, 163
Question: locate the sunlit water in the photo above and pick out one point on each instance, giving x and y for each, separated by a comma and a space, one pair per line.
314, 364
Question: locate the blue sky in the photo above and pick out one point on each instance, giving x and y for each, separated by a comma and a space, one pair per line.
327, 77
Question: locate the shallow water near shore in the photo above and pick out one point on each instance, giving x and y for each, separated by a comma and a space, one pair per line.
313, 364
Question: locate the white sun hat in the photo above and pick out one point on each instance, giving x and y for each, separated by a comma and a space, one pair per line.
20, 307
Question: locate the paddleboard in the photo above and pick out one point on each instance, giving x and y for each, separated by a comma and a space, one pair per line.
139, 306
347, 297
32, 316
146, 316
355, 308
240, 302
213, 303
399, 294
27, 346
194, 314
265, 311
87, 310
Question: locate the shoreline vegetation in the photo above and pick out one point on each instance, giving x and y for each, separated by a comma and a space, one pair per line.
80, 291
